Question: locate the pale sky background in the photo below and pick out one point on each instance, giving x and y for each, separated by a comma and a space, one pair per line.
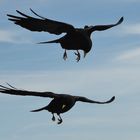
111, 68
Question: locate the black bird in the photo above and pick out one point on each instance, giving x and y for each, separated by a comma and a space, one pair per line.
74, 39
60, 103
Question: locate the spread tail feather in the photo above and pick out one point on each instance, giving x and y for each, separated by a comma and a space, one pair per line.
40, 109
52, 41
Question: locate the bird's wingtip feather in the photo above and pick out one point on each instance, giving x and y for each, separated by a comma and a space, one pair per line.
121, 20
112, 99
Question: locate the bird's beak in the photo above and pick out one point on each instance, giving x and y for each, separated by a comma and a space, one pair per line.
85, 54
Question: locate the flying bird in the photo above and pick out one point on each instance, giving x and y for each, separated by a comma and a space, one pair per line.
60, 103
74, 38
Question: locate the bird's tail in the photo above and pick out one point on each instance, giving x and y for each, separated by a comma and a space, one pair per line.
40, 109
52, 41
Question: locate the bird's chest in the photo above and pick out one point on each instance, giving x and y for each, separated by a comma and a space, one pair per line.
60, 105
67, 105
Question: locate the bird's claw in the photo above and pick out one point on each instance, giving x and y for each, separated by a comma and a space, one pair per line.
53, 118
78, 56
59, 121
65, 55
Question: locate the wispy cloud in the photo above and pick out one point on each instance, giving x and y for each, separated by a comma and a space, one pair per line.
130, 55
90, 82
9, 36
6, 36
133, 29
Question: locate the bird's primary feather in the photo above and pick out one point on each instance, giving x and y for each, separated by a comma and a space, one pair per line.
42, 24
14, 91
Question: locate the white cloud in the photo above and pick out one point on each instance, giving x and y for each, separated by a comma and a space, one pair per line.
130, 55
6, 36
133, 29
93, 83
10, 36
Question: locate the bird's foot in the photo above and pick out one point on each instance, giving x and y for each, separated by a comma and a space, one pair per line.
59, 121
78, 56
53, 118
65, 55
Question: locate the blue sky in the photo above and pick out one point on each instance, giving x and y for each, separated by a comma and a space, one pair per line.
111, 68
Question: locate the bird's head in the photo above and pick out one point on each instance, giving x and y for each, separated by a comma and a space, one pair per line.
86, 51
87, 48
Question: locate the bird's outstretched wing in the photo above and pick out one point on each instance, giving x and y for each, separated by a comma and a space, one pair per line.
40, 24
14, 91
84, 99
105, 27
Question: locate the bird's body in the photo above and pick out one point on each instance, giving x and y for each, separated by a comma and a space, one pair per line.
78, 40
74, 39
60, 103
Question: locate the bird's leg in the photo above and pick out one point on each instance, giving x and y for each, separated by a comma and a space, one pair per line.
78, 55
53, 117
65, 55
59, 119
